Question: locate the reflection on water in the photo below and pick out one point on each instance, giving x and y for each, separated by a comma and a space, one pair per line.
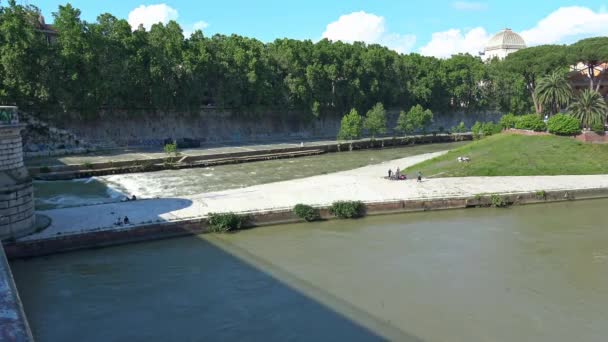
533, 273
175, 183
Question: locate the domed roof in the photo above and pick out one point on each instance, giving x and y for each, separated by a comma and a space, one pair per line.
506, 39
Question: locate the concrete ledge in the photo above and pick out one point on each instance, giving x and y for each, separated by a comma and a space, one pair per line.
109, 237
13, 323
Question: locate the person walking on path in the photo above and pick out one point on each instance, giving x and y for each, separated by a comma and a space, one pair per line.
397, 173
419, 176
390, 173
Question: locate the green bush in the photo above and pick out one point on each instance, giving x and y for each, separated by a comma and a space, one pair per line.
490, 128
531, 122
306, 212
508, 121
564, 124
598, 128
347, 209
485, 129
460, 128
476, 130
541, 194
498, 201
226, 222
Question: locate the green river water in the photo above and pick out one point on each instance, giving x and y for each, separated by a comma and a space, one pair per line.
172, 183
530, 273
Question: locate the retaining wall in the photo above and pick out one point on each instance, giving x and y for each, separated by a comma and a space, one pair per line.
109, 237
13, 323
150, 127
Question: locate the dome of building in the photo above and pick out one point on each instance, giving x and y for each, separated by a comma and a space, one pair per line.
506, 39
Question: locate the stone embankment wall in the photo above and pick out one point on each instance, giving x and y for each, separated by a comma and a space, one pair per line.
110, 237
13, 323
209, 125
16, 193
43, 139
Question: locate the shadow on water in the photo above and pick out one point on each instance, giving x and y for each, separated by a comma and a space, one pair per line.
197, 289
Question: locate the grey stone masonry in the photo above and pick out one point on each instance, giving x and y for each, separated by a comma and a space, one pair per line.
17, 216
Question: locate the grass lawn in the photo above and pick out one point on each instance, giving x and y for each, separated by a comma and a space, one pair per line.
518, 155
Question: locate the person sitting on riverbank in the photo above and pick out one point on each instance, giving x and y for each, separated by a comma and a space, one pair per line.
419, 176
133, 198
126, 221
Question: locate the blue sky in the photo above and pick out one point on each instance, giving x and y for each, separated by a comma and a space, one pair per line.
431, 27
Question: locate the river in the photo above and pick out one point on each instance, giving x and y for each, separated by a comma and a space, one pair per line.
176, 183
529, 273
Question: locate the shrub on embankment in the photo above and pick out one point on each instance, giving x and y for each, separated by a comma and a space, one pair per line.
306, 212
563, 124
531, 122
347, 209
226, 222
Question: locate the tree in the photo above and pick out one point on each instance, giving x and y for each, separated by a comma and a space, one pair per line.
416, 119
554, 92
351, 127
589, 108
24, 57
375, 120
534, 62
592, 53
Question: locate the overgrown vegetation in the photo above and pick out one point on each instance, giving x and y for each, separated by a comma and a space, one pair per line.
171, 153
226, 222
485, 129
307, 212
518, 155
563, 124
347, 209
499, 201
458, 130
541, 194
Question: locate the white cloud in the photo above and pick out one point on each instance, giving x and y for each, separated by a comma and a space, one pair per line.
199, 25
160, 13
469, 6
453, 41
150, 15
368, 28
566, 23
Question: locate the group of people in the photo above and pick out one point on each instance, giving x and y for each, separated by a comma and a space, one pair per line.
397, 175
133, 198
120, 221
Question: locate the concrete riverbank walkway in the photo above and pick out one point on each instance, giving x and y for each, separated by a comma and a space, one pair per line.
365, 184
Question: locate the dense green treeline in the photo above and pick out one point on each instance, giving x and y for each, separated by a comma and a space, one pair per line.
105, 64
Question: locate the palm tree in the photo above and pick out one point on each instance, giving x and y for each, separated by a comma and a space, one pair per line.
554, 92
589, 108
